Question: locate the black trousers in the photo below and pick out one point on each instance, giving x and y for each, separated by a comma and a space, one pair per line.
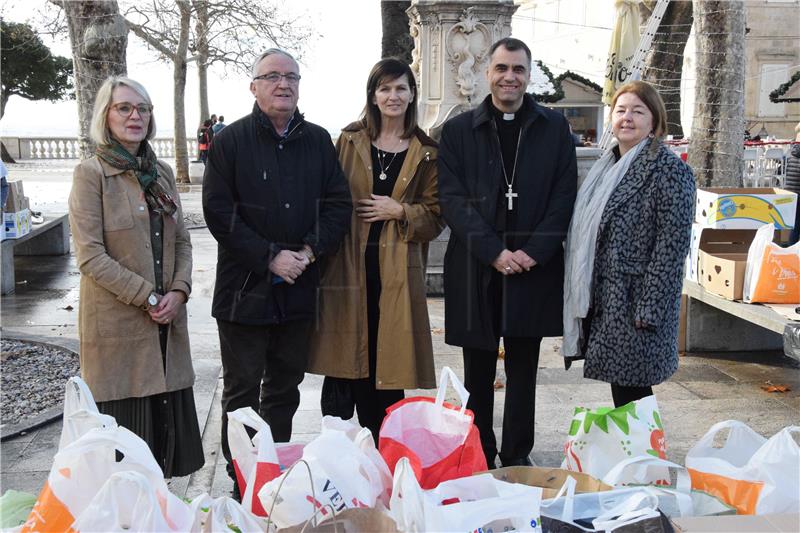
521, 363
278, 354
340, 395
623, 394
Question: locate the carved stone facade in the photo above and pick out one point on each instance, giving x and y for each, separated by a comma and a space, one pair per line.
451, 53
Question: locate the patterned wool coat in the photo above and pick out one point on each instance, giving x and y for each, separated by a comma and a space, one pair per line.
642, 243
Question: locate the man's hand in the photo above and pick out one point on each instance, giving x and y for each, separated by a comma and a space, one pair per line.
378, 208
506, 264
524, 260
289, 265
168, 307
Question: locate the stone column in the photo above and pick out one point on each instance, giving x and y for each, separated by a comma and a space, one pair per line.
451, 53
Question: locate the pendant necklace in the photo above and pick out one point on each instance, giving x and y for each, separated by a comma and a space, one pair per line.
382, 159
510, 194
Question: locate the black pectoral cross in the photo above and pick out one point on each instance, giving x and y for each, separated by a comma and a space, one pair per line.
511, 195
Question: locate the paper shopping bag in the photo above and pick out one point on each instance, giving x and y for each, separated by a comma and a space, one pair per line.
440, 440
599, 439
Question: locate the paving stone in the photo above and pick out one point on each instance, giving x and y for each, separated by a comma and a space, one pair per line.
31, 482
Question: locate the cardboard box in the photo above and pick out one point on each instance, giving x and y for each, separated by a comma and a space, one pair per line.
549, 479
722, 260
745, 208
690, 272
740, 523
17, 224
16, 197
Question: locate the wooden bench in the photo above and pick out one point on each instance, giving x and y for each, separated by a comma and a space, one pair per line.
51, 237
716, 324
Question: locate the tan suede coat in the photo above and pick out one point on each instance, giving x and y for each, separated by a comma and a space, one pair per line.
120, 351
405, 352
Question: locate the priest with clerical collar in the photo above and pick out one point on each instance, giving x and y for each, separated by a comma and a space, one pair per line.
507, 184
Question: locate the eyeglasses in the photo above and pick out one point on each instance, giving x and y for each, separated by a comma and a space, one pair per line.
275, 77
125, 109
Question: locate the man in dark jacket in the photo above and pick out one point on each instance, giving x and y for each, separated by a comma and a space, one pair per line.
507, 184
275, 199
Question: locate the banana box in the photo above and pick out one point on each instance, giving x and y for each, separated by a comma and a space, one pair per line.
16, 224
722, 261
745, 208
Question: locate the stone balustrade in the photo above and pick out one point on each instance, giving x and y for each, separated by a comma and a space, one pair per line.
22, 148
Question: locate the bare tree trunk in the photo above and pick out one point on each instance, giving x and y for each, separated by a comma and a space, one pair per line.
179, 92
396, 40
664, 63
716, 146
99, 38
201, 32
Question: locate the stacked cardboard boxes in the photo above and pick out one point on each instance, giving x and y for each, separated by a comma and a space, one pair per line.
16, 212
726, 220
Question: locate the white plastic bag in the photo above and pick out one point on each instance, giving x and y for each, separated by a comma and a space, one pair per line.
772, 274
600, 438
749, 472
217, 515
605, 511
126, 502
674, 498
255, 461
474, 503
346, 471
80, 470
80, 412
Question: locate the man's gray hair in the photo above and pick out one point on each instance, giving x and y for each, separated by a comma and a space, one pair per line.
267, 53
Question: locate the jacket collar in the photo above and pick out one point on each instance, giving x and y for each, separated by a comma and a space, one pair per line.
109, 170
639, 173
265, 123
483, 113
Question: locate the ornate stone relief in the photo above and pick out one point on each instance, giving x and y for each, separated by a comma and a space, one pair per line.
468, 42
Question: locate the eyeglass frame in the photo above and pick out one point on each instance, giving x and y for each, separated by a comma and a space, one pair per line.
292, 78
137, 107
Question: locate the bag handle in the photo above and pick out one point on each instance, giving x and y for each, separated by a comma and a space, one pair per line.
683, 483
280, 485
448, 375
629, 509
567, 490
77, 396
707, 440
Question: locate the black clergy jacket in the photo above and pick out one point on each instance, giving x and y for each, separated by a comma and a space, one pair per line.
470, 180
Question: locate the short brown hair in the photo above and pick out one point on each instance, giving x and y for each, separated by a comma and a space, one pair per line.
389, 70
647, 94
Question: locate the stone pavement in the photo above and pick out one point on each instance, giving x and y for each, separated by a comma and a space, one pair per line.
706, 389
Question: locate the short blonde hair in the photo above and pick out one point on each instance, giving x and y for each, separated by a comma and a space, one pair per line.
650, 97
98, 129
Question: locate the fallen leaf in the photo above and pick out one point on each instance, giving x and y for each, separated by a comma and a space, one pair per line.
501, 353
775, 388
498, 384
68, 308
437, 331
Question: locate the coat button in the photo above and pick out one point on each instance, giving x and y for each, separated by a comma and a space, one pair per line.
141, 208
158, 234
280, 147
147, 245
286, 205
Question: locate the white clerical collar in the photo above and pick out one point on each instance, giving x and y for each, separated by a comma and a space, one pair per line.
508, 116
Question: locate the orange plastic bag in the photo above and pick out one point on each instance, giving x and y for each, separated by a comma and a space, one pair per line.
773, 273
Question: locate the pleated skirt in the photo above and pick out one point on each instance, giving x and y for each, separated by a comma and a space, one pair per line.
167, 422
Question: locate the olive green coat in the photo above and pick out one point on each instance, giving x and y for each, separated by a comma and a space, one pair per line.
120, 351
405, 352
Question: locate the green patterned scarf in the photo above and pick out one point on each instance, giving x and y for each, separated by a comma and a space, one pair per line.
144, 167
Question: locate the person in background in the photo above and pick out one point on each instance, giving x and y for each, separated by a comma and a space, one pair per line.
377, 278
275, 200
135, 259
507, 182
626, 248
204, 139
3, 185
216, 128
793, 180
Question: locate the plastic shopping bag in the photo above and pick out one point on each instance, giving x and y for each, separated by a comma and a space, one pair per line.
126, 502
81, 469
600, 439
773, 273
255, 461
628, 509
80, 412
15, 506
224, 514
340, 469
440, 440
674, 496
474, 503
753, 474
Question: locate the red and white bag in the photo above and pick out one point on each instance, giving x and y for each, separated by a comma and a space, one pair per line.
254, 460
440, 440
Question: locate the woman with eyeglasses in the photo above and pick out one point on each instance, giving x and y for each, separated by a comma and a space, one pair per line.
135, 259
373, 337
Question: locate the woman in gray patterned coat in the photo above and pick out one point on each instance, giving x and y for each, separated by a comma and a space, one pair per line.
628, 240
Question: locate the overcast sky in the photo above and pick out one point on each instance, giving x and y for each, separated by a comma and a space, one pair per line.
334, 72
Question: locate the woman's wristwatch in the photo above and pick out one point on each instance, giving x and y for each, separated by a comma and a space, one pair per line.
152, 301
